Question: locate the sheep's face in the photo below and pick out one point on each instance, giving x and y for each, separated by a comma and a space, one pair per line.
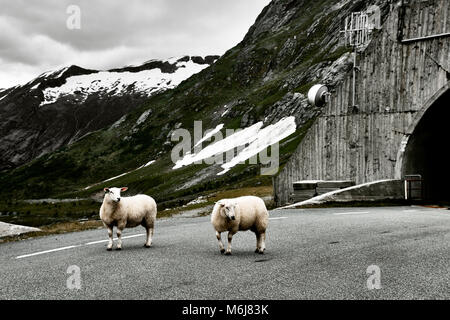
228, 209
114, 193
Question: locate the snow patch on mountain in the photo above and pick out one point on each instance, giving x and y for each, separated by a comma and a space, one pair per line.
254, 138
5, 92
145, 82
264, 139
147, 164
210, 133
121, 175
118, 122
35, 86
143, 117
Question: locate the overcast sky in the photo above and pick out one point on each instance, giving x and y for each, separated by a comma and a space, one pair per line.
34, 36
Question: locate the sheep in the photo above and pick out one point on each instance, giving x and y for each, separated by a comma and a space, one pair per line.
127, 212
240, 214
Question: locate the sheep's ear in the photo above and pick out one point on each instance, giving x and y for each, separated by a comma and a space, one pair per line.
220, 203
106, 189
124, 189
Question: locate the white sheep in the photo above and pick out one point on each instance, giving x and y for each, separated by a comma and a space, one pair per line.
240, 214
127, 212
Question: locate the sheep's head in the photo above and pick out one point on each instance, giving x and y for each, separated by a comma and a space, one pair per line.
114, 193
227, 209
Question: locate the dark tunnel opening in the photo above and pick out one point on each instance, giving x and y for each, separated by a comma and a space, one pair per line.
427, 152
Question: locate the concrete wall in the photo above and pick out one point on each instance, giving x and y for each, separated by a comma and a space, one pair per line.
372, 191
395, 83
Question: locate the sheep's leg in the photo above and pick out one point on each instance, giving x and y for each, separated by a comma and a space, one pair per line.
119, 239
258, 242
149, 237
230, 237
219, 239
262, 245
110, 235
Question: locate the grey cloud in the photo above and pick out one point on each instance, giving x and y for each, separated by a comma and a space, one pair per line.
114, 33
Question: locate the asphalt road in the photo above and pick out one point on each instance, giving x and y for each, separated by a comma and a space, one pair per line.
311, 254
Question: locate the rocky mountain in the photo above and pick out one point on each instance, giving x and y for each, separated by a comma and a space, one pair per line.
59, 107
260, 86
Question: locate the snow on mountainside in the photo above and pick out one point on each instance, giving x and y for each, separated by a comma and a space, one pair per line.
146, 82
256, 137
62, 106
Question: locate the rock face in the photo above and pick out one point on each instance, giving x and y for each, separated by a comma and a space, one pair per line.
57, 108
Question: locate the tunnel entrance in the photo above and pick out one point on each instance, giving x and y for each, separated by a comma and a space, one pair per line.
427, 152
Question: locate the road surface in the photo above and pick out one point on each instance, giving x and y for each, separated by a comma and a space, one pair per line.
311, 254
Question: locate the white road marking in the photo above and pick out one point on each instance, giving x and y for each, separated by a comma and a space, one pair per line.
75, 246
410, 210
345, 213
278, 218
46, 251
95, 242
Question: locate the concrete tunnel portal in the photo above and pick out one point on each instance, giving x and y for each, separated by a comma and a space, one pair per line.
428, 150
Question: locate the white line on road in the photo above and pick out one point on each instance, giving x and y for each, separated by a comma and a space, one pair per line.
345, 213
278, 218
46, 251
95, 242
75, 246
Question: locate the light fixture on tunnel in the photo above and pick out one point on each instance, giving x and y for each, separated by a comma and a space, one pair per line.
318, 95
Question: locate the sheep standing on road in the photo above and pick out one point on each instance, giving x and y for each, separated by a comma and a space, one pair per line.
127, 212
240, 214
